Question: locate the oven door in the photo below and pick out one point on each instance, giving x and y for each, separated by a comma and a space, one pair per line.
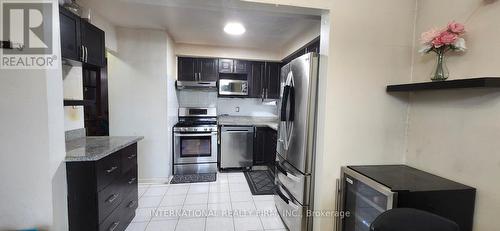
192, 148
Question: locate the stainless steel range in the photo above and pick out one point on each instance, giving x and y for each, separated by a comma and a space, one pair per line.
195, 141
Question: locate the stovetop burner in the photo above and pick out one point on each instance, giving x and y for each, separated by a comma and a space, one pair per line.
197, 120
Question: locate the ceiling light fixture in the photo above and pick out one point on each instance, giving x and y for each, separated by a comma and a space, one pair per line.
234, 28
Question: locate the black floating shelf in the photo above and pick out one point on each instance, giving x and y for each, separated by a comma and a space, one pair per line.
70, 102
486, 82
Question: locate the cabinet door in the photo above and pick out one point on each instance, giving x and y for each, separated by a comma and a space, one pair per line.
241, 67
271, 138
93, 40
258, 146
255, 79
208, 69
186, 69
70, 35
273, 80
226, 66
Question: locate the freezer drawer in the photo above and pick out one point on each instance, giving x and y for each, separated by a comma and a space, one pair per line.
236, 147
298, 184
293, 214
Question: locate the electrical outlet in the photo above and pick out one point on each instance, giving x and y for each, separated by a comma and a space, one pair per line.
237, 109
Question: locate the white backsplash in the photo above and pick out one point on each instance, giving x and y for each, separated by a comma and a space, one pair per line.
230, 106
194, 98
246, 107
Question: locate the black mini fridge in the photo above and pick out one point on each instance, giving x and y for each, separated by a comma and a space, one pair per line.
367, 191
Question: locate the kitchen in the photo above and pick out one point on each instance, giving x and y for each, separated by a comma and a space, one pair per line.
250, 107
223, 109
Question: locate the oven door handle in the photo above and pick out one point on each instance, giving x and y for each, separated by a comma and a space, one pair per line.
194, 134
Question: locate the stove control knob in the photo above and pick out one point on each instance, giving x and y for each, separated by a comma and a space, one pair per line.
206, 129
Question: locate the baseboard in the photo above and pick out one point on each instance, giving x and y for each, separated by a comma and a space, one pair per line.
159, 180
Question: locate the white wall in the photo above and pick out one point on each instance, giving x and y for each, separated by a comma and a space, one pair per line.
138, 80
455, 133
73, 89
225, 52
32, 170
172, 102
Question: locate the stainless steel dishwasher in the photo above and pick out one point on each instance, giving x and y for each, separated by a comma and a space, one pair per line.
236, 147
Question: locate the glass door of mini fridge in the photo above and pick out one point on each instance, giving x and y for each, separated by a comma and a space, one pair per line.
363, 199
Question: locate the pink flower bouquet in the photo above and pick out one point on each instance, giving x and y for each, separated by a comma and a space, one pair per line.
442, 40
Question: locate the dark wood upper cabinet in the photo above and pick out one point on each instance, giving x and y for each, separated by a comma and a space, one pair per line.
241, 67
264, 80
197, 69
93, 43
80, 40
208, 69
234, 66
255, 79
273, 70
70, 35
226, 65
186, 69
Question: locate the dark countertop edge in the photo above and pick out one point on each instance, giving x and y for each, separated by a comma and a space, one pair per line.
96, 157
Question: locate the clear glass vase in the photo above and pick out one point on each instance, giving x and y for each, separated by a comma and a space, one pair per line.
441, 71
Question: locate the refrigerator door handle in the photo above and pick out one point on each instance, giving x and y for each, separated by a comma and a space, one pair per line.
284, 102
287, 174
286, 199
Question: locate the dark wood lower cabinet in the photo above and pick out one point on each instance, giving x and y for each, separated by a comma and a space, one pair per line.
265, 147
103, 194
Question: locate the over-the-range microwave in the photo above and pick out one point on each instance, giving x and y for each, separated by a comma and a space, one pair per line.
232, 87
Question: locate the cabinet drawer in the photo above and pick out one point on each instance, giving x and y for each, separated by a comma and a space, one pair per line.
109, 199
129, 158
129, 183
114, 222
128, 207
108, 169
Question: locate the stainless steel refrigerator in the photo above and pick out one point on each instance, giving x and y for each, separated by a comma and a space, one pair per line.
296, 142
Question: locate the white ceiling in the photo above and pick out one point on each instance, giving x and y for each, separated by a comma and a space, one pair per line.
269, 27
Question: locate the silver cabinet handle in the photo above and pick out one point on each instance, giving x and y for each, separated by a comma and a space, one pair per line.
113, 226
132, 156
131, 204
112, 169
112, 198
86, 54
83, 53
132, 180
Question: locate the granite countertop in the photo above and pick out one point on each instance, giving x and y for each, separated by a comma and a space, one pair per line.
92, 148
271, 122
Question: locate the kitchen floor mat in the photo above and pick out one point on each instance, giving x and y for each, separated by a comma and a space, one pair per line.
194, 178
261, 182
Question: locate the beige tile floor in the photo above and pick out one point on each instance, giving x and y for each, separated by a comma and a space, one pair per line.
224, 205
